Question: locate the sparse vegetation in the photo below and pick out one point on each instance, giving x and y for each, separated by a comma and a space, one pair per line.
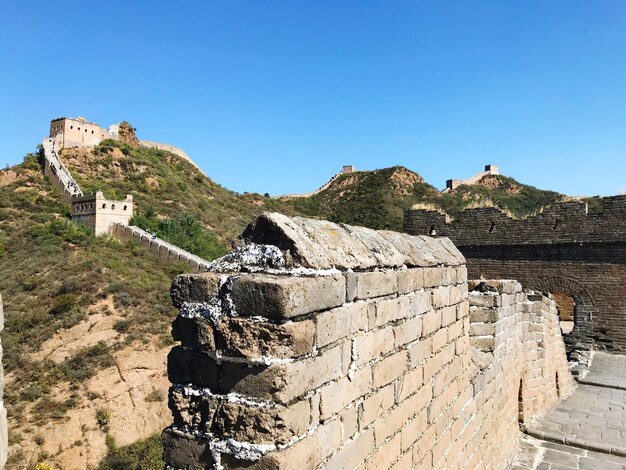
103, 418
141, 455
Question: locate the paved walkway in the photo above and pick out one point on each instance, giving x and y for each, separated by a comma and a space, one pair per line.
543, 455
585, 431
607, 370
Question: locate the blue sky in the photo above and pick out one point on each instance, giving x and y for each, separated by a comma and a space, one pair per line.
277, 96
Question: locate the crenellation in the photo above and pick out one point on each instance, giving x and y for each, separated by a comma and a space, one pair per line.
563, 249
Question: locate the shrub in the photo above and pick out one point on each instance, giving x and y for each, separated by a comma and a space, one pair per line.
121, 326
141, 455
103, 418
84, 364
63, 304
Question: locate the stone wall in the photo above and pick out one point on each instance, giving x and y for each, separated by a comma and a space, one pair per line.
489, 170
157, 247
563, 250
353, 348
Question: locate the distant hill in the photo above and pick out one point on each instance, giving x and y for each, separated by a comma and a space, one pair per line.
378, 198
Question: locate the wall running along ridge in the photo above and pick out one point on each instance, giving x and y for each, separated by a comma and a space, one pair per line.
55, 171
157, 247
339, 347
563, 249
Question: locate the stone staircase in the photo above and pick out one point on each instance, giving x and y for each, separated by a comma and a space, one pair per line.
56, 172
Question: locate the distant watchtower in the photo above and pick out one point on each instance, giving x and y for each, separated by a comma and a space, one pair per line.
489, 170
348, 169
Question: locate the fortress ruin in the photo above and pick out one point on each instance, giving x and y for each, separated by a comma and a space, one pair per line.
339, 347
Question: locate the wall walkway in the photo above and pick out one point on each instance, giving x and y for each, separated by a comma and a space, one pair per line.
56, 172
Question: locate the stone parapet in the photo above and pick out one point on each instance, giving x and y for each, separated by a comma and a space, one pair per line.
352, 350
159, 248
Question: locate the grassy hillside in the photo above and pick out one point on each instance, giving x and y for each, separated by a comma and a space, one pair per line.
56, 277
501, 191
77, 307
165, 186
377, 199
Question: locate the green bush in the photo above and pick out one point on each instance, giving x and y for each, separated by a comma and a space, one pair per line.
141, 455
84, 364
185, 231
63, 304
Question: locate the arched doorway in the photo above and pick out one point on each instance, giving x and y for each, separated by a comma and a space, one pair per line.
575, 306
566, 306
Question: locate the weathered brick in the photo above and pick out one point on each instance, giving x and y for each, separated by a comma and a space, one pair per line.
240, 337
286, 297
194, 333
376, 404
373, 344
353, 453
390, 368
284, 382
408, 331
186, 451
420, 351
409, 383
376, 284
195, 287
441, 297
337, 395
431, 322
410, 280
340, 322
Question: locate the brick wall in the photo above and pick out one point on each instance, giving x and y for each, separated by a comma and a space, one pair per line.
563, 249
354, 350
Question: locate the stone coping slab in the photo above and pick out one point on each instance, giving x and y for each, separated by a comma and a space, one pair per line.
321, 244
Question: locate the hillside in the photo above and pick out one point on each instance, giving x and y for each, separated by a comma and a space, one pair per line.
164, 186
88, 319
378, 198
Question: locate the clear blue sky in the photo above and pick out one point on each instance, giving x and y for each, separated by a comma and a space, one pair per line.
275, 96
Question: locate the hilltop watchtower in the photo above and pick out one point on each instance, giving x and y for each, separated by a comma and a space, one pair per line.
77, 132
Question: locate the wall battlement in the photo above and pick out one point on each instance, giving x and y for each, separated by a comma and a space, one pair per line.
354, 348
564, 250
159, 248
565, 222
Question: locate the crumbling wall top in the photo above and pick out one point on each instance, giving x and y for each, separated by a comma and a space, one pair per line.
320, 244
